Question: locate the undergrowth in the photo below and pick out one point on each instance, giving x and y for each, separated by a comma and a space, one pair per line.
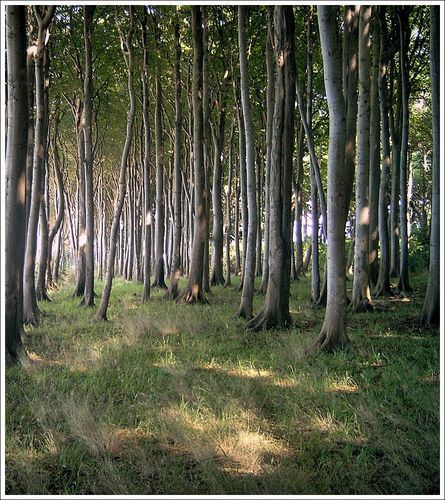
167, 398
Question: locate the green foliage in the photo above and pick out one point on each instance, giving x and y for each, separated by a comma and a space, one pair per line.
169, 398
419, 249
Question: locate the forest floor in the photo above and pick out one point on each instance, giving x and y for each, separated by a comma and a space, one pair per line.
178, 399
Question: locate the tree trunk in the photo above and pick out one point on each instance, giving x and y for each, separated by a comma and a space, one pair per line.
374, 163
383, 287
269, 125
81, 216
30, 309
16, 148
275, 312
61, 202
176, 260
217, 277
403, 285
228, 207
361, 295
193, 291
333, 333
395, 181
147, 219
431, 305
88, 298
246, 307
129, 60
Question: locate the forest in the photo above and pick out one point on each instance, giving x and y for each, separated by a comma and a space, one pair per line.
222, 249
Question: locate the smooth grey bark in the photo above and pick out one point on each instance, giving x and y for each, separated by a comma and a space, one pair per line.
193, 291
147, 219
403, 285
361, 294
217, 277
374, 160
30, 309
394, 211
159, 271
50, 276
246, 307
383, 286
269, 129
88, 297
81, 211
176, 257
431, 306
333, 333
275, 312
228, 228
15, 188
128, 54
298, 204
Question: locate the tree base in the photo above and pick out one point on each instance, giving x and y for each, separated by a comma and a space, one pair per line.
189, 296
330, 340
245, 313
268, 321
362, 305
383, 291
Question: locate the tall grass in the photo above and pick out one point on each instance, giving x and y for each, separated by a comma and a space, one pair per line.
168, 398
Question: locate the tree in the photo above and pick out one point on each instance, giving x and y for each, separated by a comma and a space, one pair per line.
269, 125
405, 31
128, 54
361, 295
333, 332
147, 218
431, 305
30, 309
176, 259
374, 151
246, 306
16, 148
193, 291
383, 286
159, 271
275, 312
88, 297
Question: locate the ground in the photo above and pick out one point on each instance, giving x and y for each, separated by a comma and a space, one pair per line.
170, 398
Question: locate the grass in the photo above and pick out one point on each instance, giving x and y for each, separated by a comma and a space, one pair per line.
176, 399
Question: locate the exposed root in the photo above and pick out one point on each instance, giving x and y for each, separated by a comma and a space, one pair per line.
382, 291
244, 312
329, 340
363, 305
268, 321
189, 296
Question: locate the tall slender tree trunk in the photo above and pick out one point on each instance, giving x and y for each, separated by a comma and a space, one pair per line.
431, 306
374, 162
147, 219
193, 291
361, 295
126, 42
395, 124
81, 215
403, 285
88, 298
246, 306
333, 332
275, 312
30, 309
269, 130
383, 286
228, 229
217, 277
176, 260
16, 148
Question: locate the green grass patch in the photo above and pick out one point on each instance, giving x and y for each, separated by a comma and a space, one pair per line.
168, 398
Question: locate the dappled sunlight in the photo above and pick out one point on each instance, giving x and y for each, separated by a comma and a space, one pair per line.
229, 442
342, 386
